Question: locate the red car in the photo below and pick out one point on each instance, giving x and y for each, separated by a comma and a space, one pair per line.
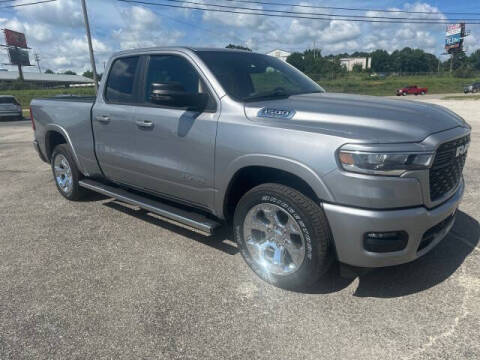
415, 90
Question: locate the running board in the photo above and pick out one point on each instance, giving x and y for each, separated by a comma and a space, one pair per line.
185, 217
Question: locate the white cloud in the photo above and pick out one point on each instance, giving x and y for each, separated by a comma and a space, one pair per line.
66, 13
143, 29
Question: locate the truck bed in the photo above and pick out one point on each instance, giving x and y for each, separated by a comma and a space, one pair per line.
69, 116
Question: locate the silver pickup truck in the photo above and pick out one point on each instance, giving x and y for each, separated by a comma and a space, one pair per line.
207, 137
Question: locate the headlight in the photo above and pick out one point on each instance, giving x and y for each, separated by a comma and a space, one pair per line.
387, 164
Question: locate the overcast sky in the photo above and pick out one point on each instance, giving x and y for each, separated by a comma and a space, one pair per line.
55, 30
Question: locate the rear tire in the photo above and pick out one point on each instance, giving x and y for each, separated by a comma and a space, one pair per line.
66, 173
292, 226
423, 93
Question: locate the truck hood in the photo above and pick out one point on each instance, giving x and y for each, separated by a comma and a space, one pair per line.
363, 118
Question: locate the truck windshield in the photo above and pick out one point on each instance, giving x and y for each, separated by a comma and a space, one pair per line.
249, 76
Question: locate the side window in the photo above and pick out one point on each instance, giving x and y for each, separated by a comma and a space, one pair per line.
119, 87
175, 71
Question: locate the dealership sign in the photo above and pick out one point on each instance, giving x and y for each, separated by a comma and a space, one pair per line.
18, 56
453, 39
17, 39
454, 29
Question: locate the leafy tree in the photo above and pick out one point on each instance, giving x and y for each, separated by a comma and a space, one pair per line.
70, 72
88, 74
239, 47
474, 60
380, 61
296, 59
48, 71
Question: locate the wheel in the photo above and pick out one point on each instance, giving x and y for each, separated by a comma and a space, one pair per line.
404, 94
423, 93
66, 173
283, 236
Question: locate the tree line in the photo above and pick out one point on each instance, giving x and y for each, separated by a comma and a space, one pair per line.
407, 60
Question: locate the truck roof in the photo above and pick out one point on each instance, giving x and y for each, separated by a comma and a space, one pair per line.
174, 48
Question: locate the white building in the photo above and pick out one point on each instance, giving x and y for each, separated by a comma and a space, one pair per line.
279, 54
365, 62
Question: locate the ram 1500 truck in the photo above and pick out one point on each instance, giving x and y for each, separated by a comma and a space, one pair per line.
207, 137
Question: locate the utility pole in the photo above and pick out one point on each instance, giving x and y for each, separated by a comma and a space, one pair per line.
37, 59
90, 47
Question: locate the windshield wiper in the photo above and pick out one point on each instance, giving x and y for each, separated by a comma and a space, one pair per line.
276, 94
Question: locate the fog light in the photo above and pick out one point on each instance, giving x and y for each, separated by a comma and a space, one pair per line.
382, 242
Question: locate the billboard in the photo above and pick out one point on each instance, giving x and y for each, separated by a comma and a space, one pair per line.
454, 29
18, 56
454, 37
13, 38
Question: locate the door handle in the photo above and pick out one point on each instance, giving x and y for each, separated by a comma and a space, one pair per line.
144, 123
103, 119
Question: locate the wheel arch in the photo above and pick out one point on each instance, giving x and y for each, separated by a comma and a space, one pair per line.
56, 135
250, 171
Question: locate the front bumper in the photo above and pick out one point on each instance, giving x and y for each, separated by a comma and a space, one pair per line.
349, 225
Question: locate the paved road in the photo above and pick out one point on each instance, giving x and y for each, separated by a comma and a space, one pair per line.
95, 279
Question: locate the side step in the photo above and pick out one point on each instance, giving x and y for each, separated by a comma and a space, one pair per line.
185, 217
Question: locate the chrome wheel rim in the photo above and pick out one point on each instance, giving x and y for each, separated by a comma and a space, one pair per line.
63, 173
274, 239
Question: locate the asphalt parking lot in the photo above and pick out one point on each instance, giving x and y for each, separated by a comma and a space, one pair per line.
96, 279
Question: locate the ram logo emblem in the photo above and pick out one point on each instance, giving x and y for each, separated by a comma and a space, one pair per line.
462, 149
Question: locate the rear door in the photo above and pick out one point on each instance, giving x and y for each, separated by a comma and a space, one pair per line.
113, 120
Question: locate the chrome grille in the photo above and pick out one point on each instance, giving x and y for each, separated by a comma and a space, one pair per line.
447, 168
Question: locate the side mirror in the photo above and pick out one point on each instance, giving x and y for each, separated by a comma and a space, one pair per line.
173, 94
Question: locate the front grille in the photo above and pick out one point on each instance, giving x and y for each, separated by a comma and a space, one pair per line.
447, 168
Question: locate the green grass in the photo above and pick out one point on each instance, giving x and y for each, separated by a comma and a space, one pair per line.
26, 96
460, 97
362, 84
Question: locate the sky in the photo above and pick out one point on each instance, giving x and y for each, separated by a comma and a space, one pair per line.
55, 31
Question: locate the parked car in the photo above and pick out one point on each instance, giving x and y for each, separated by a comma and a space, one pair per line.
10, 108
238, 138
475, 87
414, 89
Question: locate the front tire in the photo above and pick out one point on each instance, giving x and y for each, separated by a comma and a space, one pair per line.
283, 236
66, 173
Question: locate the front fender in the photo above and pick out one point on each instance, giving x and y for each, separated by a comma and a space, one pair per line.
276, 162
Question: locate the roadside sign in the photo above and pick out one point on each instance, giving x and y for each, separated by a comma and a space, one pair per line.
18, 56
14, 38
453, 39
453, 29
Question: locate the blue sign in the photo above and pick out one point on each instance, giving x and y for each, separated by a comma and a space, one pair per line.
453, 39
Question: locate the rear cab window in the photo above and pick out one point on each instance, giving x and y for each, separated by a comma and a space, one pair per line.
120, 87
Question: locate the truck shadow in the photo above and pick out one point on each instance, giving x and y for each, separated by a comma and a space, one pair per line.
222, 239
428, 271
394, 281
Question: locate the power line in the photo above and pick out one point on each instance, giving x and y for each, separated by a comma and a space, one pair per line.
312, 14
26, 4
348, 9
261, 12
